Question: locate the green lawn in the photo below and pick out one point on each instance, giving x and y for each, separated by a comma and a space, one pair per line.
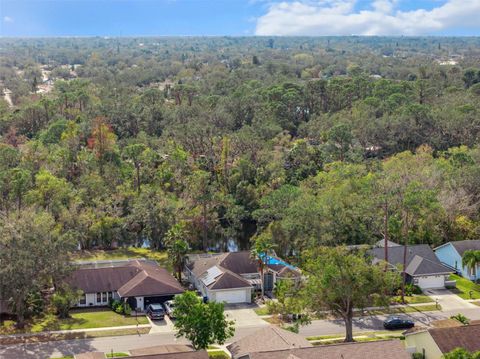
122, 253
217, 354
464, 286
418, 308
382, 333
85, 320
262, 311
117, 355
414, 299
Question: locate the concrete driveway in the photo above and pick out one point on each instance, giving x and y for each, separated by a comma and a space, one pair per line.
161, 326
244, 315
448, 300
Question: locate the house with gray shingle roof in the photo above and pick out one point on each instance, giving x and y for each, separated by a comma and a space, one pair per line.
422, 265
451, 254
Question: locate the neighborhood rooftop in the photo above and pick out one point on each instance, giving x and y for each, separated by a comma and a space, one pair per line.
391, 349
266, 339
133, 278
450, 338
462, 246
421, 259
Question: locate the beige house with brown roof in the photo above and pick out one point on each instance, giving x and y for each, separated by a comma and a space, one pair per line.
433, 343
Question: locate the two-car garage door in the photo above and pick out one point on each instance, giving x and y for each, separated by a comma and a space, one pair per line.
431, 281
231, 296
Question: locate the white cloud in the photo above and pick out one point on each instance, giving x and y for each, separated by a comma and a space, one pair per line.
339, 17
8, 19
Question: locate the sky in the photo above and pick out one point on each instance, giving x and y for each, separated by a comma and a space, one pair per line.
28, 18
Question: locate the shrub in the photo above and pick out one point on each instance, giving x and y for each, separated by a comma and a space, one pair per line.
119, 308
461, 318
63, 299
417, 356
218, 355
127, 310
113, 304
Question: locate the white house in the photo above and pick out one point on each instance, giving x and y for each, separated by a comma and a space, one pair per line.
233, 277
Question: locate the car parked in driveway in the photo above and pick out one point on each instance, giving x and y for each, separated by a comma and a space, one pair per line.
396, 322
169, 306
155, 312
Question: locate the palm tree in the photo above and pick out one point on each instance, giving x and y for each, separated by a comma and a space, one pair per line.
177, 248
262, 247
470, 259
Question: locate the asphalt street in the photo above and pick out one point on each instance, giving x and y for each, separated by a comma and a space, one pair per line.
124, 343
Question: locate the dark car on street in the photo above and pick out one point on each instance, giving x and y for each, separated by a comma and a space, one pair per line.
156, 312
395, 322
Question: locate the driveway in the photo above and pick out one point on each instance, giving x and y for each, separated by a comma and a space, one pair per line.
448, 300
161, 326
244, 315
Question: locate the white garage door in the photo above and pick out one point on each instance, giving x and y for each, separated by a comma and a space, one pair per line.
231, 296
431, 282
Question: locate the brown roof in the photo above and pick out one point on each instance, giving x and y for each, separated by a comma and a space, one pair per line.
229, 280
240, 263
151, 280
162, 349
236, 262
266, 339
129, 278
447, 339
391, 349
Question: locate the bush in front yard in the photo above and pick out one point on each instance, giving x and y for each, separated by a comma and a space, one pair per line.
63, 299
119, 308
113, 303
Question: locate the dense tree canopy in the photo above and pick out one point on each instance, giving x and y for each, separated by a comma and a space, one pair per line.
302, 141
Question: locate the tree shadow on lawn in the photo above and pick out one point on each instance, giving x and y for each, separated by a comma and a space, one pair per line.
52, 323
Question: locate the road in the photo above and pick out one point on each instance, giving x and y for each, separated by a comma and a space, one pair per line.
124, 343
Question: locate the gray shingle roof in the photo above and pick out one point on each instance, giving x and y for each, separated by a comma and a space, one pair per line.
419, 265
421, 259
462, 246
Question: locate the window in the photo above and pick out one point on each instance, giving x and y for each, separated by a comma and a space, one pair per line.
104, 297
110, 296
83, 299
99, 297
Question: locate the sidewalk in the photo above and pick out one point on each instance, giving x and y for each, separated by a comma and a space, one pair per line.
356, 310
86, 330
